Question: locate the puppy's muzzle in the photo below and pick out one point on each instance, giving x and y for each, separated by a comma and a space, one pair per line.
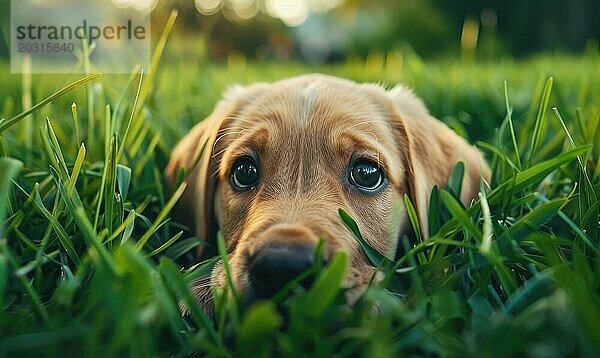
283, 256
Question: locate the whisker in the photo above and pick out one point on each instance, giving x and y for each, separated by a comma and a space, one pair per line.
223, 135
239, 118
231, 130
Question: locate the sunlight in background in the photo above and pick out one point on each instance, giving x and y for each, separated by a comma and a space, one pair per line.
244, 9
324, 5
139, 5
291, 12
208, 7
295, 12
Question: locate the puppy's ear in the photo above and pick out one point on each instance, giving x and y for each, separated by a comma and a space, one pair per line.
431, 150
194, 153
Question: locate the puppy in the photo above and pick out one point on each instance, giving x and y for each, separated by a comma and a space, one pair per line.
273, 163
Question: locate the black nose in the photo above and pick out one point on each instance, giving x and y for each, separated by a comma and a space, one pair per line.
277, 264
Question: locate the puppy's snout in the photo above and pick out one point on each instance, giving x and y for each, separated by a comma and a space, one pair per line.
277, 264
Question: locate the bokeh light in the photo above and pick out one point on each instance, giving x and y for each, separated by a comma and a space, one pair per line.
208, 7
291, 12
244, 9
139, 5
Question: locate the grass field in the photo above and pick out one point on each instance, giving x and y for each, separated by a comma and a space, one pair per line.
91, 263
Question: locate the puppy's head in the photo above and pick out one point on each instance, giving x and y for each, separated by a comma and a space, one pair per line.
271, 166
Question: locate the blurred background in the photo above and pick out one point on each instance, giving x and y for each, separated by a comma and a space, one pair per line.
329, 31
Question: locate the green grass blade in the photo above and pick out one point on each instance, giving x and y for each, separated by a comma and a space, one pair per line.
56, 154
123, 180
457, 211
535, 174
487, 232
133, 113
129, 228
580, 233
532, 220
126, 227
79, 161
9, 168
531, 112
166, 245
258, 326
141, 163
590, 221
434, 211
111, 183
455, 179
500, 153
174, 279
375, 257
161, 216
539, 286
4, 272
5, 124
536, 137
222, 250
588, 181
511, 127
81, 219
32, 293
63, 237
326, 287
413, 217
158, 52
75, 122
148, 86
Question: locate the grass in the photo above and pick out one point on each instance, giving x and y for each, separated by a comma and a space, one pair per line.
91, 262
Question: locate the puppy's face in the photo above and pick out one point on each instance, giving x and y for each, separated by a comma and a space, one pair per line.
282, 158
291, 158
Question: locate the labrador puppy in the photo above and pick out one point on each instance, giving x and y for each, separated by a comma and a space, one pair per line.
274, 161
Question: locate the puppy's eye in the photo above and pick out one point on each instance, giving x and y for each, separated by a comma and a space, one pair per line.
366, 175
244, 174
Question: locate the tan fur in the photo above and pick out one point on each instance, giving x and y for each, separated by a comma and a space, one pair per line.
305, 130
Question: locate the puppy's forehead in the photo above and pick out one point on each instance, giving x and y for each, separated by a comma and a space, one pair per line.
314, 101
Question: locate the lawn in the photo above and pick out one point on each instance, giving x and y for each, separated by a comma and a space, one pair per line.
91, 262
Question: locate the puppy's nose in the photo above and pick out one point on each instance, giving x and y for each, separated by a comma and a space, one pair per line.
277, 264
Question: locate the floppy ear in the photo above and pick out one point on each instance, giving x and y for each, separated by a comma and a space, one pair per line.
194, 153
431, 151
